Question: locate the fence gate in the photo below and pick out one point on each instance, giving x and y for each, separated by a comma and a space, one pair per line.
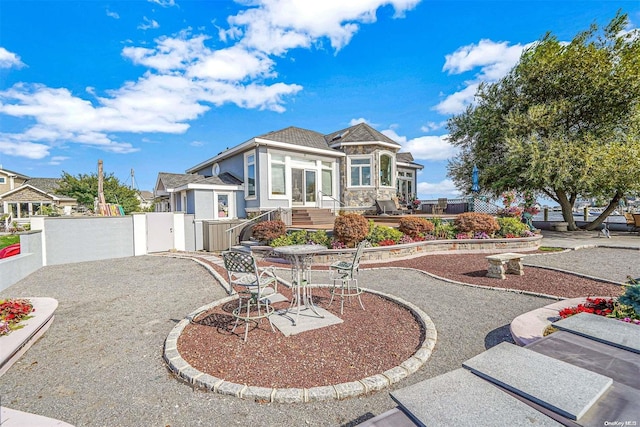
160, 232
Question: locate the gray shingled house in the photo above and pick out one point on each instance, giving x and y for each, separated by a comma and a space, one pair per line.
293, 168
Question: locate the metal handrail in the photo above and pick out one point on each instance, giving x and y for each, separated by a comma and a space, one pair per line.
229, 230
320, 193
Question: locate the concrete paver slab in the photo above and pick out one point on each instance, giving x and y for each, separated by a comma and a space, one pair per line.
610, 331
564, 388
460, 398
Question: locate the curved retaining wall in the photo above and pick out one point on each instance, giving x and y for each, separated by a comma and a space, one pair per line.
408, 250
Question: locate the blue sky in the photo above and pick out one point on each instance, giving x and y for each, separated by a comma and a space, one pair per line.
161, 85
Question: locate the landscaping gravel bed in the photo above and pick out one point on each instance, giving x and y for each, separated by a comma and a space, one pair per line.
100, 363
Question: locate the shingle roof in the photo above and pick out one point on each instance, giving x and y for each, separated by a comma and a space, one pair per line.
404, 157
361, 132
8, 172
48, 185
407, 158
298, 136
174, 180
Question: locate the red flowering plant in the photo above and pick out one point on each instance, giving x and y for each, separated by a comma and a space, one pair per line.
12, 312
599, 306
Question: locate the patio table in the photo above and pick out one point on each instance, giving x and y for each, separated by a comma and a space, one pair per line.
301, 257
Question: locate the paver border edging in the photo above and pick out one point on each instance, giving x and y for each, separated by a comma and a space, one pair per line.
194, 377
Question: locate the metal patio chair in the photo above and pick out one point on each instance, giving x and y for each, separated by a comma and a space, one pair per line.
253, 285
344, 280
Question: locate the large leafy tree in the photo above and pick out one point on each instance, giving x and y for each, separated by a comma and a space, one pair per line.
84, 188
564, 123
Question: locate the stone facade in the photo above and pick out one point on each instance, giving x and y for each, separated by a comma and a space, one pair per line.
29, 195
355, 197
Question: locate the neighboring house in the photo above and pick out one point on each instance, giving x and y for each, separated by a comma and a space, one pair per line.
214, 197
145, 198
22, 196
347, 170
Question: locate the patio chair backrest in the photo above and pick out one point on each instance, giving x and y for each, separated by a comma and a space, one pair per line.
356, 257
239, 262
386, 206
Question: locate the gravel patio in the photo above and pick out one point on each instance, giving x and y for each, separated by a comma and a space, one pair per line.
100, 363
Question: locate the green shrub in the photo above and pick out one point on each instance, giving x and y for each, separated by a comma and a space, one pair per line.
475, 221
298, 237
320, 237
444, 230
350, 229
631, 299
510, 226
268, 230
415, 226
379, 233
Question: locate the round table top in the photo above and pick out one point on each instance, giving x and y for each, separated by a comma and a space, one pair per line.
300, 249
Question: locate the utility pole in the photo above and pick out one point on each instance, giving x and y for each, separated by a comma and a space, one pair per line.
102, 204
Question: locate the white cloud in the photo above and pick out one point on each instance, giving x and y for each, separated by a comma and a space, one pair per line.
431, 126
57, 160
275, 26
429, 148
494, 60
148, 23
9, 59
444, 188
184, 76
354, 122
26, 149
163, 3
458, 101
197, 144
113, 15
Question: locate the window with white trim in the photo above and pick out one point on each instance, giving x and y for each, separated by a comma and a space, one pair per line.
386, 170
327, 178
278, 182
360, 171
250, 175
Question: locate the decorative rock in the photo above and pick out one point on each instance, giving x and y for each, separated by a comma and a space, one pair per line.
316, 394
288, 395
375, 382
351, 389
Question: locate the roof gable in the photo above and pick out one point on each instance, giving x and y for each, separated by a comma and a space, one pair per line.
361, 132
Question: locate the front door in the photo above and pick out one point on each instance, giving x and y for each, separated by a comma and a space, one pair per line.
303, 190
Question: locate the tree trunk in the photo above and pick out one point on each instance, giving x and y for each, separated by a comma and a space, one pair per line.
567, 210
613, 203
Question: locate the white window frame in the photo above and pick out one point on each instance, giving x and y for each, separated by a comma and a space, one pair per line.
371, 171
3, 180
248, 196
287, 175
392, 171
231, 207
331, 169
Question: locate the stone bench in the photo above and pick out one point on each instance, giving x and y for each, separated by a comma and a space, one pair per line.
559, 226
497, 263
